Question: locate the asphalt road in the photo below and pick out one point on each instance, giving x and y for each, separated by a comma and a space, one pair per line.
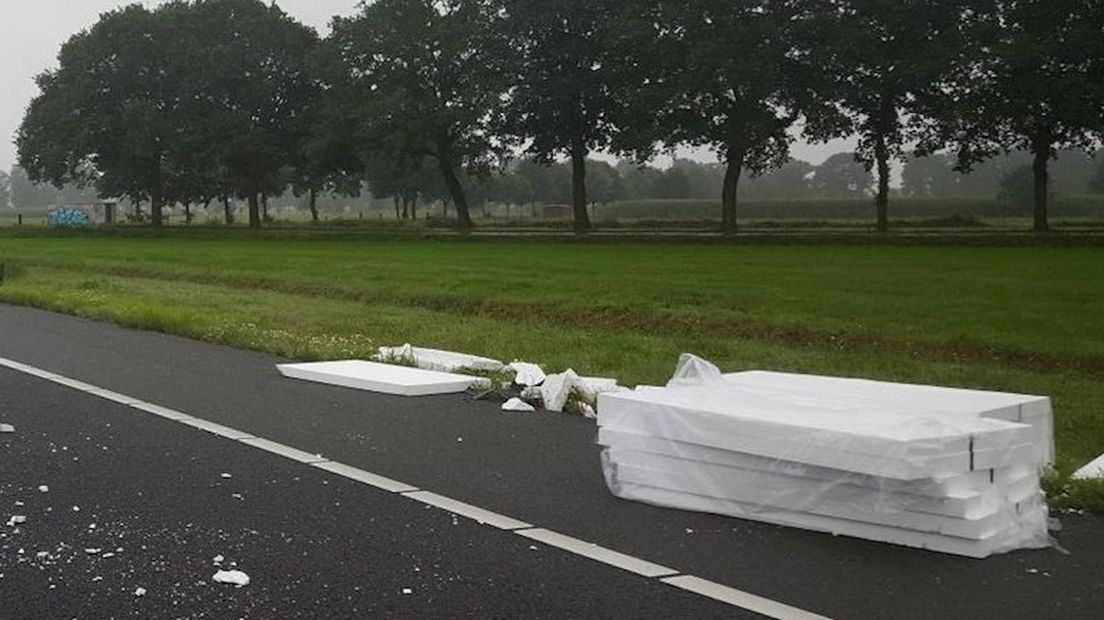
539, 468
133, 501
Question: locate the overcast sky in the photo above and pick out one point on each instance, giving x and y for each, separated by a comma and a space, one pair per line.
32, 31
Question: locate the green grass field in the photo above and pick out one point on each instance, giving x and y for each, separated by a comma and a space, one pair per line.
1023, 319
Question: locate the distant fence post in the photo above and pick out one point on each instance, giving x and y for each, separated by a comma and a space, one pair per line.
19, 219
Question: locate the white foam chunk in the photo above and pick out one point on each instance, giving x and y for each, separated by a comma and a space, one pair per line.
1094, 470
232, 577
443, 361
382, 378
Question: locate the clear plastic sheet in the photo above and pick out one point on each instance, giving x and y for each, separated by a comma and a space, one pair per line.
950, 470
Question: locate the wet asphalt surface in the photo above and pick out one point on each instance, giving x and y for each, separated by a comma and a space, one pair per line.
541, 468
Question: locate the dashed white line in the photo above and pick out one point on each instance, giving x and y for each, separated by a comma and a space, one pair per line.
474, 513
597, 553
285, 451
739, 598
366, 477
217, 429
582, 548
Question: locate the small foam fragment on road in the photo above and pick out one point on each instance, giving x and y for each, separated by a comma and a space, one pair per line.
16, 520
7, 428
231, 577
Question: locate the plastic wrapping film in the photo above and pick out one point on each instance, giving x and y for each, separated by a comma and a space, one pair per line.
950, 470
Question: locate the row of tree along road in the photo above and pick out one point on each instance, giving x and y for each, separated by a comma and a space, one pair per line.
199, 101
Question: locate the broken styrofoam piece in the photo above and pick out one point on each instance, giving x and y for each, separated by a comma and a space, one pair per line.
532, 394
556, 389
436, 359
516, 404
528, 375
1092, 471
231, 577
7, 428
382, 378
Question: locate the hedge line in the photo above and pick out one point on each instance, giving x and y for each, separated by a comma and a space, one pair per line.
1089, 205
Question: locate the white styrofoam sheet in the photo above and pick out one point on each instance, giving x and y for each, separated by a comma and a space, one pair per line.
382, 378
945, 486
872, 440
1035, 411
1026, 529
780, 487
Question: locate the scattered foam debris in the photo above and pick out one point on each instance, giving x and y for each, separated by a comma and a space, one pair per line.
528, 375
16, 520
7, 428
43, 489
140, 592
231, 577
516, 404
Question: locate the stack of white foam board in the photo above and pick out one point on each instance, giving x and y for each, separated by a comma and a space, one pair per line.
949, 470
383, 378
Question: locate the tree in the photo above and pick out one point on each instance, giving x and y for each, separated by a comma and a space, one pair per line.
25, 194
429, 78
1017, 188
107, 114
249, 64
1036, 83
726, 75
792, 180
927, 176
881, 56
1096, 181
842, 176
565, 83
5, 190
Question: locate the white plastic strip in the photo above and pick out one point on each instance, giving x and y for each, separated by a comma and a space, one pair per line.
366, 477
164, 412
474, 513
284, 451
598, 554
739, 598
216, 429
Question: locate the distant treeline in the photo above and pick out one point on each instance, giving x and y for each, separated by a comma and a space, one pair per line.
204, 102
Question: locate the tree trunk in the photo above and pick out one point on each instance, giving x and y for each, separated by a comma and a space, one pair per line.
1042, 183
156, 209
254, 211
578, 188
398, 211
314, 206
881, 202
264, 206
455, 189
734, 167
188, 213
414, 207
226, 210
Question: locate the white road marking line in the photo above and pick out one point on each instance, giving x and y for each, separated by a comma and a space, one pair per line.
114, 396
739, 598
598, 554
164, 412
217, 429
474, 513
284, 451
697, 585
366, 477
